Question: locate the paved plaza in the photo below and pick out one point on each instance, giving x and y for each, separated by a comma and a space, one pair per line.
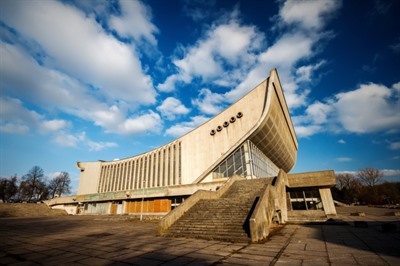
111, 240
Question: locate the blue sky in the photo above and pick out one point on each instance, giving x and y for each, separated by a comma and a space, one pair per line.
102, 80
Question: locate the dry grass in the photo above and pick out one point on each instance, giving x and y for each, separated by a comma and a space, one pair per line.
28, 210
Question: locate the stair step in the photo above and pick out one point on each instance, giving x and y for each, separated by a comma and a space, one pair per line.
223, 218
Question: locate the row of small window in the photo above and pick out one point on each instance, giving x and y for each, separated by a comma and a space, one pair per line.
226, 123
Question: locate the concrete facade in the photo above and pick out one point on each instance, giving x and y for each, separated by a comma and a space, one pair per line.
253, 138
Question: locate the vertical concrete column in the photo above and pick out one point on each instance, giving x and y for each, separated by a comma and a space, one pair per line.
122, 176
176, 167
110, 184
115, 182
151, 165
327, 201
104, 168
147, 167
141, 171
166, 165
129, 175
108, 176
126, 183
247, 157
114, 172
134, 174
126, 165
162, 153
156, 169
118, 177
101, 180
171, 165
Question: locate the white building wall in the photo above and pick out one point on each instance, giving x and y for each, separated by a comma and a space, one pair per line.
200, 150
89, 178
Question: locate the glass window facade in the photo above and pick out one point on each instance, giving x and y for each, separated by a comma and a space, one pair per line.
234, 164
305, 199
247, 160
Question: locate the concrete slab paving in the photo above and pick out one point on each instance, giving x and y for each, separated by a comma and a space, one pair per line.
96, 240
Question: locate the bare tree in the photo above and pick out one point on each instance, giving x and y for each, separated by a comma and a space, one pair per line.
370, 176
343, 181
60, 184
8, 188
348, 188
32, 182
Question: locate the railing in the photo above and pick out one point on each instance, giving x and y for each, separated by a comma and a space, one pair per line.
178, 212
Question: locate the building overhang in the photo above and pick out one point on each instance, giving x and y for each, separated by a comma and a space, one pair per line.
312, 179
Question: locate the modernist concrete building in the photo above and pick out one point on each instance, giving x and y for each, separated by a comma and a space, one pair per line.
253, 138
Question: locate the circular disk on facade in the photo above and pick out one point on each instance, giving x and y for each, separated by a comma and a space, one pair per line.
219, 128
212, 132
226, 124
239, 115
232, 120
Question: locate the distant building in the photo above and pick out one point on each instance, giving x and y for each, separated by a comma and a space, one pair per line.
253, 138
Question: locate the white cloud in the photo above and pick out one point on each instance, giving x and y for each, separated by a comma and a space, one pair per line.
304, 73
318, 112
13, 128
308, 14
316, 115
306, 131
367, 109
291, 48
169, 83
370, 108
52, 175
54, 90
386, 172
214, 60
344, 159
98, 146
135, 21
184, 127
77, 140
78, 45
209, 103
15, 118
282, 55
172, 107
67, 140
391, 172
54, 125
146, 123
341, 141
353, 173
209, 57
394, 145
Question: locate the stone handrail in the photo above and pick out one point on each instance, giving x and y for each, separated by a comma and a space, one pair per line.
270, 202
178, 212
261, 219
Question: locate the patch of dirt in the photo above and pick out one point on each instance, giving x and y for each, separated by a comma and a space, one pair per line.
28, 210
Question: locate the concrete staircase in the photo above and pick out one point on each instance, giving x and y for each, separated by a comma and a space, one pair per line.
303, 216
226, 218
